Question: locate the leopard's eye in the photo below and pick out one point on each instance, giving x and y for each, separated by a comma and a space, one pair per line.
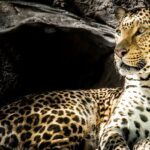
118, 32
141, 30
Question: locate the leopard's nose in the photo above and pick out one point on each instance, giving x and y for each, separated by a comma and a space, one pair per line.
120, 52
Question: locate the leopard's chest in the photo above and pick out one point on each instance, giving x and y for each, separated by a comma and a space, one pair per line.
132, 116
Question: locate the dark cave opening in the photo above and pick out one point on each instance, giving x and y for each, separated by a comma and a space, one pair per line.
41, 57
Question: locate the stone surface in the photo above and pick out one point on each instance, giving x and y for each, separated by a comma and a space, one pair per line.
44, 47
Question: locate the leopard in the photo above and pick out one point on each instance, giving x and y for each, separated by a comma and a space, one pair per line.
128, 127
56, 120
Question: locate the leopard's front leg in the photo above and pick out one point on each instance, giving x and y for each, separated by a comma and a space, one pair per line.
111, 139
143, 144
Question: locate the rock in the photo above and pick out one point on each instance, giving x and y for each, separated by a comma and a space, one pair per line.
101, 10
43, 48
60, 45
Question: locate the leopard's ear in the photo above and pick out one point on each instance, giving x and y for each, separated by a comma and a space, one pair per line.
120, 12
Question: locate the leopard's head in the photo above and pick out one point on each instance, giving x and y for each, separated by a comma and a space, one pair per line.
132, 51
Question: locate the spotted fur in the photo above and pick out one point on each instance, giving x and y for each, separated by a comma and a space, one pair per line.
56, 120
143, 144
130, 121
